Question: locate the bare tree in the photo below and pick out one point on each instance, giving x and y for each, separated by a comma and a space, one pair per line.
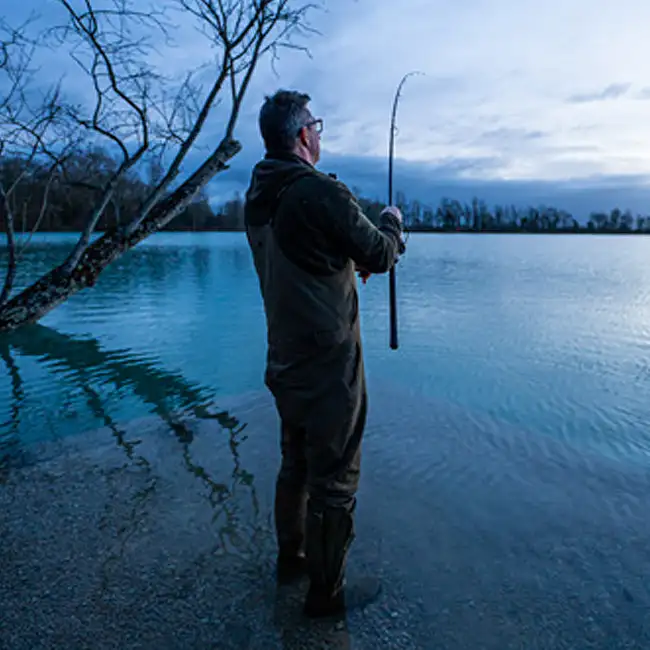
147, 117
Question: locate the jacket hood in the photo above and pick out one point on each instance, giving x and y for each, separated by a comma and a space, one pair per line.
270, 176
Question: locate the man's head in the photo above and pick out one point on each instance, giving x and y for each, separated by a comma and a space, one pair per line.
287, 125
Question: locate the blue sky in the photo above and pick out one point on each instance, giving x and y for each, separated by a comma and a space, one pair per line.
522, 101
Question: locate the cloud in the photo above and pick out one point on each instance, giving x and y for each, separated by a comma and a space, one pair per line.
511, 134
429, 183
490, 115
613, 91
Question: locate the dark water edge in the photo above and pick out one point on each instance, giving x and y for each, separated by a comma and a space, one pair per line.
158, 534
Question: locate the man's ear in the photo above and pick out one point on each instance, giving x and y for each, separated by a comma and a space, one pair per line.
302, 136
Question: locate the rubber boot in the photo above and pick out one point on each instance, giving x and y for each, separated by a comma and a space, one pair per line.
330, 533
290, 515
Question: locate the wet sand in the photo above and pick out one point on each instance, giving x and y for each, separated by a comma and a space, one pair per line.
155, 534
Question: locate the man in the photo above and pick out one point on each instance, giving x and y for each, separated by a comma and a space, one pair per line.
307, 235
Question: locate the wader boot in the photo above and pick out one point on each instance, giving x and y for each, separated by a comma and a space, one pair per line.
330, 533
290, 514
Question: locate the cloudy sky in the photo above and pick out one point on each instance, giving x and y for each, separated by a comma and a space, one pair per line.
521, 101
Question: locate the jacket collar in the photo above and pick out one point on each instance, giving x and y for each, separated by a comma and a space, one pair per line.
287, 156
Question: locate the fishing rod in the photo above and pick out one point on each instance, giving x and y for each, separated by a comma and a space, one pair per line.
392, 279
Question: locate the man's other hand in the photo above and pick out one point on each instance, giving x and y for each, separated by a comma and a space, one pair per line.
395, 211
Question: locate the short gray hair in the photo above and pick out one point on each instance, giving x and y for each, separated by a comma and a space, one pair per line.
281, 118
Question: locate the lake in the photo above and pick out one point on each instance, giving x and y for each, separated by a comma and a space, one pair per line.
508, 435
550, 333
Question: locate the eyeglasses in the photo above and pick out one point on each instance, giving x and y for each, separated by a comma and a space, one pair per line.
316, 123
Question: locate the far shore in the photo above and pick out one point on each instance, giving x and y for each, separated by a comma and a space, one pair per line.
410, 230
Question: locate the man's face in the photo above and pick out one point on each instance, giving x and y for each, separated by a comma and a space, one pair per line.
311, 137
314, 131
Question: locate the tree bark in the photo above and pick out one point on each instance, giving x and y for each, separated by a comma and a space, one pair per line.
59, 284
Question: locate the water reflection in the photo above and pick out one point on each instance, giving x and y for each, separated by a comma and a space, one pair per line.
83, 365
82, 360
136, 484
10, 441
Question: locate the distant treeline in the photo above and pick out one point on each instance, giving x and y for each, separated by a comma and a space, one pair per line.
73, 190
73, 193
453, 216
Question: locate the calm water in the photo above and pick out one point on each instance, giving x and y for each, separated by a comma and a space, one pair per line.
504, 490
550, 334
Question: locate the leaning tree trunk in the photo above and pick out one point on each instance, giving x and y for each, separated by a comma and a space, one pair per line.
59, 284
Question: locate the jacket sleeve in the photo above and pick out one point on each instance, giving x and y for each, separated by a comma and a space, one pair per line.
373, 247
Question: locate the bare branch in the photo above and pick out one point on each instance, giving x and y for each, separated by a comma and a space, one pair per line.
87, 27
206, 13
106, 57
42, 211
83, 241
142, 112
8, 218
184, 149
250, 39
16, 54
266, 21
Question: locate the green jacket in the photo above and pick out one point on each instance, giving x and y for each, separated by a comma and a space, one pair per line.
306, 232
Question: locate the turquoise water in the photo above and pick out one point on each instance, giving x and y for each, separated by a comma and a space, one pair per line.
547, 333
503, 498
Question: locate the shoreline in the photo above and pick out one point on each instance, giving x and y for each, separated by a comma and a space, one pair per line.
409, 229
485, 538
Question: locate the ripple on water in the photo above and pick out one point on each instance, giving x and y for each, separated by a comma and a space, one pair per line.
529, 331
506, 455
498, 473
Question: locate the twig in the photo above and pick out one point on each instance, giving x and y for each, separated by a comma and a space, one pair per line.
5, 207
87, 26
42, 211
